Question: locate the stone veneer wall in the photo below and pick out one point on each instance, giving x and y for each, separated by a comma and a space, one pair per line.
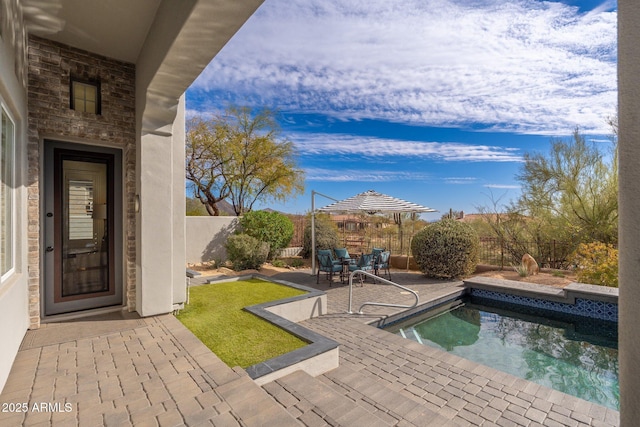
51, 66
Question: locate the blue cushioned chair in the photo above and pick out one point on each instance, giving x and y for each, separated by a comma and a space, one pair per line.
381, 262
342, 253
376, 252
327, 264
364, 263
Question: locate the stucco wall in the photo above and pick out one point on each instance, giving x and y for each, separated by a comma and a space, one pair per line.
206, 236
629, 206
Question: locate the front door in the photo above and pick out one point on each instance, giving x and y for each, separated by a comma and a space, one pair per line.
82, 244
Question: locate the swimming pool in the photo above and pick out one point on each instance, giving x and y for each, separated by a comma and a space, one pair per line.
571, 354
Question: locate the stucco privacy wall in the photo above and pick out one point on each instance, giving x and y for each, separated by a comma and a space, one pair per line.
51, 66
14, 315
629, 201
207, 235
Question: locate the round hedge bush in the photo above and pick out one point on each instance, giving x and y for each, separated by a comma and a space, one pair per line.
273, 228
446, 249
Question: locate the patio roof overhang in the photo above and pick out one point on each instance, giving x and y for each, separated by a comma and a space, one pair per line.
169, 42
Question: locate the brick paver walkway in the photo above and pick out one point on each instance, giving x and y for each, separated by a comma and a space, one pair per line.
153, 371
154, 374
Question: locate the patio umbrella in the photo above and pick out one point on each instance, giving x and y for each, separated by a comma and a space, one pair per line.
371, 202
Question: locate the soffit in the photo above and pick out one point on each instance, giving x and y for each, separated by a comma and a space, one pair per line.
114, 28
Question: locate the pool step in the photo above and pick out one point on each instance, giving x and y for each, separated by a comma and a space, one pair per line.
316, 403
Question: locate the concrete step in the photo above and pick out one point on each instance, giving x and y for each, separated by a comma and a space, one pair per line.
381, 395
252, 406
345, 397
315, 403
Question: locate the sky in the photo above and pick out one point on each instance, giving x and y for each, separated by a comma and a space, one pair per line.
431, 101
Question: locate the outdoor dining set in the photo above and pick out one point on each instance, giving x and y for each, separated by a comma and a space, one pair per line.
339, 261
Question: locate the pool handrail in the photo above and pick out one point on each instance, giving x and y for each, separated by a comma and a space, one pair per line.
381, 304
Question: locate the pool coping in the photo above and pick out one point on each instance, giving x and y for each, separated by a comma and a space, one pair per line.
566, 295
320, 355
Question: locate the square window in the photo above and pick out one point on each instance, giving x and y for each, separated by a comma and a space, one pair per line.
85, 96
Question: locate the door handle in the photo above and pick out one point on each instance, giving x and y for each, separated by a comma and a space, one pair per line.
49, 249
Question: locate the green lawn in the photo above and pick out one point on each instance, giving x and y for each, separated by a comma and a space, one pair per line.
239, 338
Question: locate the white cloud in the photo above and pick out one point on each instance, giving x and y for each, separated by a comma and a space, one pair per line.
362, 175
380, 148
460, 180
519, 65
503, 186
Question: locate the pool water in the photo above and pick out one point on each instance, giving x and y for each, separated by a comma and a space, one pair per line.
571, 354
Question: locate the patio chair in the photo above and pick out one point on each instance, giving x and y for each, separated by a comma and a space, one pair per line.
377, 251
327, 264
364, 263
381, 262
341, 253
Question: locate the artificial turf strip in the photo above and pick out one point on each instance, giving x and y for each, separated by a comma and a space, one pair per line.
237, 337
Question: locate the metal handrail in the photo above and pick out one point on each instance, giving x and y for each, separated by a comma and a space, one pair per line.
381, 304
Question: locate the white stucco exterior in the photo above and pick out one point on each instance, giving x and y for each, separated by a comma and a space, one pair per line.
14, 315
169, 42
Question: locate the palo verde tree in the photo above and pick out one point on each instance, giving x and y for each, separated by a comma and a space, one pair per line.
240, 157
575, 186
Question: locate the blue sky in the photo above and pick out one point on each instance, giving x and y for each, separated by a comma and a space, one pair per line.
435, 101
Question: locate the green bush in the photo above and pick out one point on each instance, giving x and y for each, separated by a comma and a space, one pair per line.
278, 263
270, 227
246, 252
296, 263
446, 249
326, 235
596, 263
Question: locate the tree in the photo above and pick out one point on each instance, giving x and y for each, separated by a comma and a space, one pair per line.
241, 157
575, 186
206, 153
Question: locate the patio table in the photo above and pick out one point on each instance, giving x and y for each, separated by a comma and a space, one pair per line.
346, 262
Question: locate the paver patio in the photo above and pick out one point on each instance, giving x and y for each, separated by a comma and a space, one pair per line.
119, 369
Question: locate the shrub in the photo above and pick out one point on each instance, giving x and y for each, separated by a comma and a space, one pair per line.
522, 270
596, 263
446, 249
246, 252
296, 263
270, 227
326, 235
278, 263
